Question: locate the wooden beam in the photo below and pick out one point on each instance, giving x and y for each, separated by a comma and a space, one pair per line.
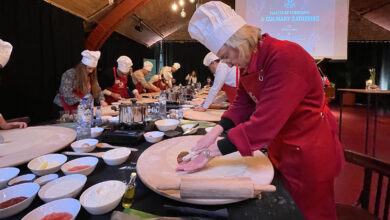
108, 24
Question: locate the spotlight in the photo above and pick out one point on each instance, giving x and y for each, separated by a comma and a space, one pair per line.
183, 13
181, 2
174, 6
192, 1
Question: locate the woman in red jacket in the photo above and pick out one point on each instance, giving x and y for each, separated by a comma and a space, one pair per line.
280, 91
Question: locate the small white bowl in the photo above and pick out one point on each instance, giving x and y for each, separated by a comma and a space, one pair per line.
45, 179
54, 162
6, 174
116, 103
186, 127
72, 206
77, 146
82, 161
28, 190
65, 187
167, 124
154, 136
208, 129
27, 177
103, 197
96, 132
116, 156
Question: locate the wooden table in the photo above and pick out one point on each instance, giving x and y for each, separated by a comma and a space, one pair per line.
369, 93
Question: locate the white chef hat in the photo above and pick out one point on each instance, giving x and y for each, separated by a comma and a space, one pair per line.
213, 24
90, 58
209, 58
124, 64
5, 52
148, 65
176, 66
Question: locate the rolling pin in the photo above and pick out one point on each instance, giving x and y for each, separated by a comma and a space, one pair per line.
217, 188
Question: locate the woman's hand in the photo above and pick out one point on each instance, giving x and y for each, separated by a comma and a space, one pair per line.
103, 103
116, 96
12, 125
200, 109
201, 160
208, 139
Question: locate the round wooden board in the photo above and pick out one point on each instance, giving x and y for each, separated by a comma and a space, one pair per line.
22, 145
209, 115
142, 101
157, 165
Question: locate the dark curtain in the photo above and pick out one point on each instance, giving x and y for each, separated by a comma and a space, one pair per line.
118, 45
47, 41
190, 56
353, 72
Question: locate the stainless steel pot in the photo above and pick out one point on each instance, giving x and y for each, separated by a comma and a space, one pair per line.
132, 113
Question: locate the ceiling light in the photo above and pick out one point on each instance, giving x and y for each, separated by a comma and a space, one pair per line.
183, 13
192, 1
174, 6
181, 2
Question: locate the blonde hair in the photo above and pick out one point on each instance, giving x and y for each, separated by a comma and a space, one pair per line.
82, 81
245, 41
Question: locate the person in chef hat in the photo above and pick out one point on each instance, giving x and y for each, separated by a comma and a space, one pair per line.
280, 105
79, 81
5, 53
139, 80
225, 79
115, 81
163, 80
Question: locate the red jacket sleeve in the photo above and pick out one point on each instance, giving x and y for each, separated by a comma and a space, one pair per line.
241, 108
284, 88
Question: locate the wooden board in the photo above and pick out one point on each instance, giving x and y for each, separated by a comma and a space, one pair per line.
142, 101
22, 145
209, 115
157, 165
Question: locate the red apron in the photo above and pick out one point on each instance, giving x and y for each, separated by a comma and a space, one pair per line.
231, 91
159, 85
119, 87
70, 108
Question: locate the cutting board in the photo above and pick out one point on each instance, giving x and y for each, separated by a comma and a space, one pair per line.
142, 101
209, 115
157, 165
22, 145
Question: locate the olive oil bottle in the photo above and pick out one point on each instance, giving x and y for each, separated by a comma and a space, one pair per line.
128, 197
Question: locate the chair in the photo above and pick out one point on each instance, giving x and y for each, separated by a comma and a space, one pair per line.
360, 210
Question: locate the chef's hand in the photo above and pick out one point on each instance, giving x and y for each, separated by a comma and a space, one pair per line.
12, 125
137, 96
103, 103
116, 96
201, 160
208, 139
200, 109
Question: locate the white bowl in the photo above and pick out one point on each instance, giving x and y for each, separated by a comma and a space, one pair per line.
208, 129
64, 187
103, 197
53, 164
186, 127
154, 136
82, 161
45, 179
72, 206
6, 174
27, 177
77, 146
167, 124
116, 156
96, 132
116, 103
28, 190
